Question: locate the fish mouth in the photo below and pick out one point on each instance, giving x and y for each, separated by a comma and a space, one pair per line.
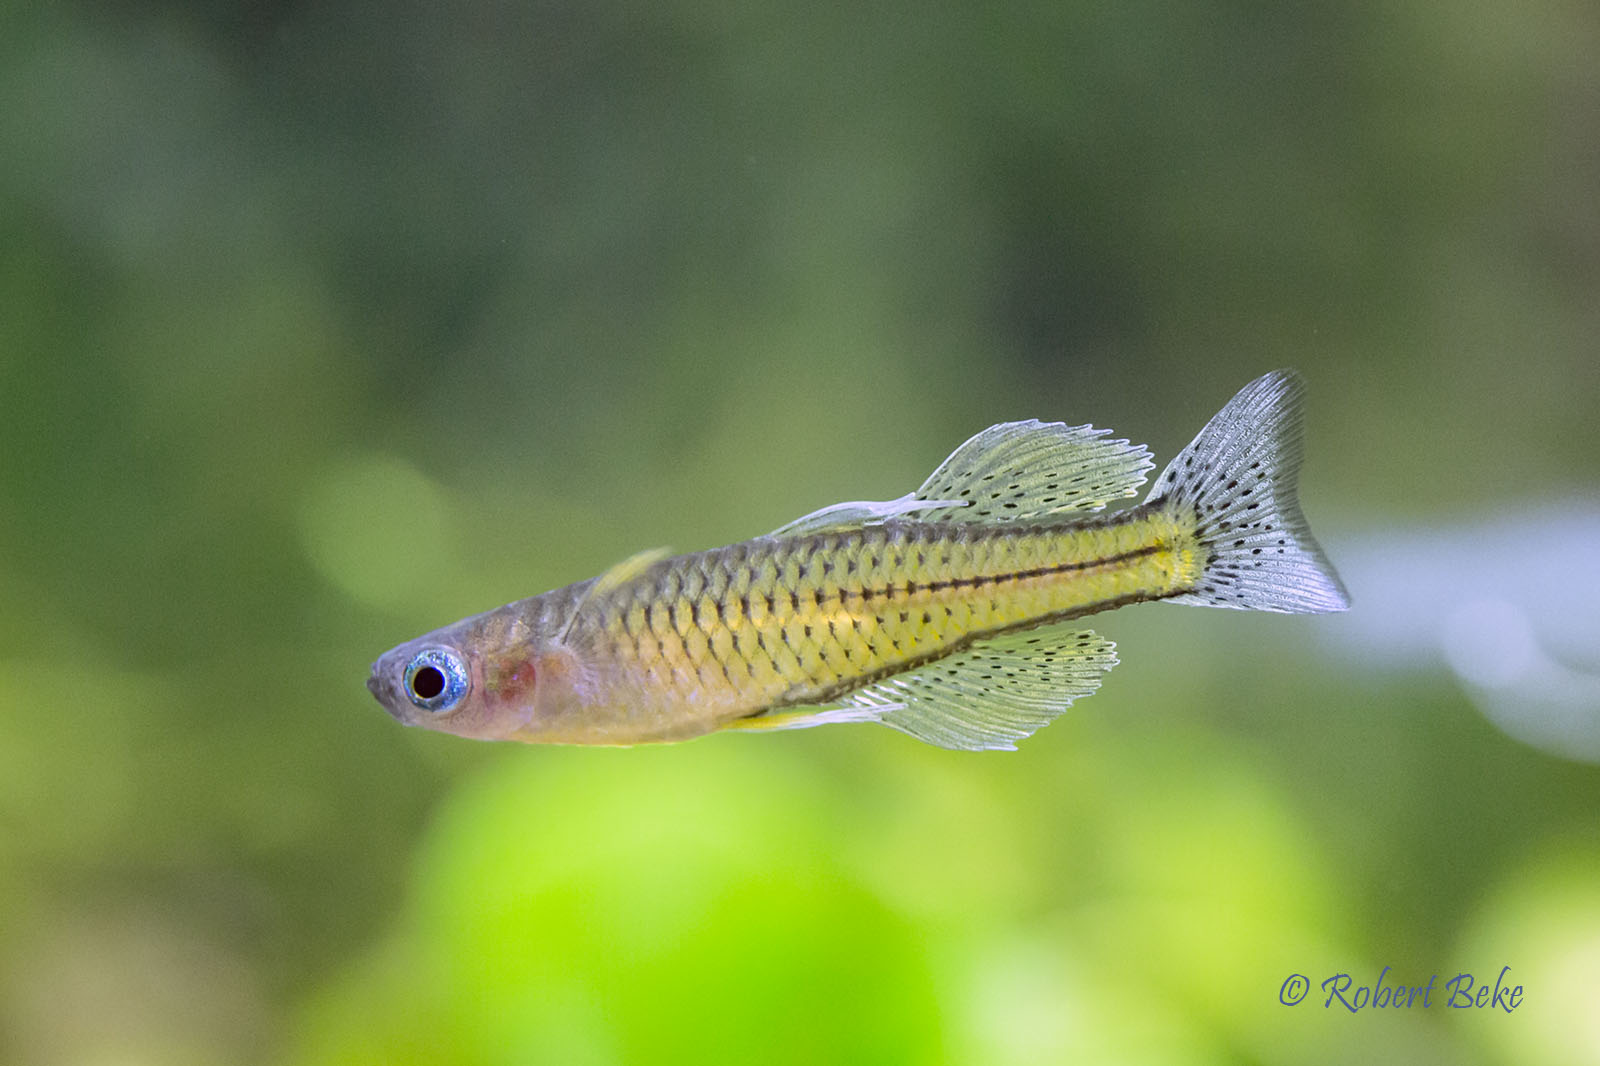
381, 691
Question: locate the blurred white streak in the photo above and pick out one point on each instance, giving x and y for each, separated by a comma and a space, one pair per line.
1511, 606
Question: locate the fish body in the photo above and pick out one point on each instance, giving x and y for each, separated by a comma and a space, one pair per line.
939, 614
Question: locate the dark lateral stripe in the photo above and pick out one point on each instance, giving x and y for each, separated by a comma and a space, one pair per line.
982, 581
889, 592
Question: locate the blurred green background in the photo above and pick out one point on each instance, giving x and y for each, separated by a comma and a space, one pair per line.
322, 325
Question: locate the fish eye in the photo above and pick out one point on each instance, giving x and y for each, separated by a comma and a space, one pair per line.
436, 680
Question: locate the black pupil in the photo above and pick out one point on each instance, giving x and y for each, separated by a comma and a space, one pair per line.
427, 682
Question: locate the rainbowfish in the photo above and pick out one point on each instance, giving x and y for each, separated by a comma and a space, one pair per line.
939, 613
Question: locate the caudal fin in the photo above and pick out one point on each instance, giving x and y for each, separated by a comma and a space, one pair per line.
1238, 478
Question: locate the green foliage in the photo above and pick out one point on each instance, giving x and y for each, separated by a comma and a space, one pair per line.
555, 918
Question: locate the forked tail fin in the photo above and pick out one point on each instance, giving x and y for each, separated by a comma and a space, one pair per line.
1238, 479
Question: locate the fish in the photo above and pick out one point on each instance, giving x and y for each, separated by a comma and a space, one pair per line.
945, 614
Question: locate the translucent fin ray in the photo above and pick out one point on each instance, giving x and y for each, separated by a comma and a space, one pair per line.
619, 573
1239, 479
993, 694
842, 516
1025, 471
627, 569
1014, 471
805, 718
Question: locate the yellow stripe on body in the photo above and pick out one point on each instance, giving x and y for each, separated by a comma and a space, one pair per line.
731, 632
993, 580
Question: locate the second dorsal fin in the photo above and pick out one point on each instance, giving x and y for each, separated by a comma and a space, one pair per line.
1031, 470
1011, 472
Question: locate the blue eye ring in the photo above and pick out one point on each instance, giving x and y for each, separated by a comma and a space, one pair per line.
436, 680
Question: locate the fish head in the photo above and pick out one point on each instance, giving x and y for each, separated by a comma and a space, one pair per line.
492, 677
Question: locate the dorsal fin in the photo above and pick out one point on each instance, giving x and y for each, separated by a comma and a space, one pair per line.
1031, 470
838, 517
631, 567
1015, 471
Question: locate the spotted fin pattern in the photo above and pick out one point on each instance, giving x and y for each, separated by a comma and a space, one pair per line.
939, 614
1237, 483
1015, 471
1026, 471
995, 693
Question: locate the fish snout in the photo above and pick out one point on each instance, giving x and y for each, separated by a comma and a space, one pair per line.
381, 689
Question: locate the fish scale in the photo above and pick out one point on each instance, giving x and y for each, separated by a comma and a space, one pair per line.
793, 620
935, 614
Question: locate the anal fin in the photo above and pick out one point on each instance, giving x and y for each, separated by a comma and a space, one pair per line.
806, 717
998, 691
989, 696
